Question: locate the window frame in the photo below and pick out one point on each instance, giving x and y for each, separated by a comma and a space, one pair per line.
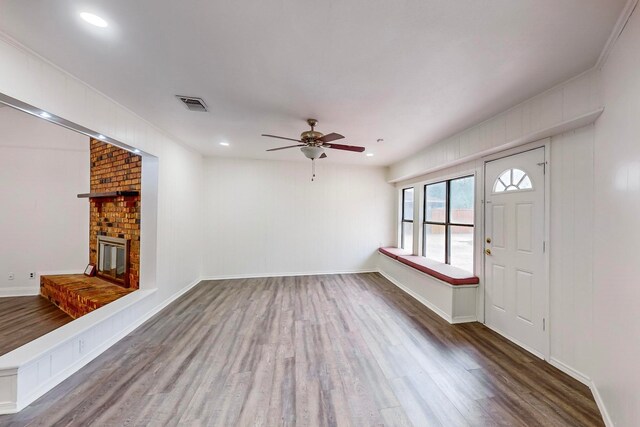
447, 223
402, 216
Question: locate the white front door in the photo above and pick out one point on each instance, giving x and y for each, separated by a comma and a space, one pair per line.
515, 273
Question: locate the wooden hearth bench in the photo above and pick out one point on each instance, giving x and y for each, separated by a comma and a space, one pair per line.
77, 294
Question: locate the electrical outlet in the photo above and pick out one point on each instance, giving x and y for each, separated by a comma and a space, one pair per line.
32, 275
12, 276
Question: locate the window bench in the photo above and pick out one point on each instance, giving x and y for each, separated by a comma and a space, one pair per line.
448, 291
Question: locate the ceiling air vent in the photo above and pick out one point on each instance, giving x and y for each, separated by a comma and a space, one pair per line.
193, 103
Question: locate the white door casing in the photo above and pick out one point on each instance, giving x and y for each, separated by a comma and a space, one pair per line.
516, 280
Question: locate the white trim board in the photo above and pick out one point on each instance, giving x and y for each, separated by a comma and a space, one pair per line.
603, 409
32, 290
577, 375
306, 273
19, 291
560, 128
621, 23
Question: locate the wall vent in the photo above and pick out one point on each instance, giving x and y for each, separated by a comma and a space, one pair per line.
193, 103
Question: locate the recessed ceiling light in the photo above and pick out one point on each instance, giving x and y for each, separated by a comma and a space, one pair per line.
224, 144
45, 115
94, 19
369, 154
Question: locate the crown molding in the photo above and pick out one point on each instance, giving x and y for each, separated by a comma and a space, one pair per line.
628, 10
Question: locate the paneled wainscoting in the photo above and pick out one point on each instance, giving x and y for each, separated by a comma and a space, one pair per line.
308, 351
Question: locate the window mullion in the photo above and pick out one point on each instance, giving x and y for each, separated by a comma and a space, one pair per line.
447, 238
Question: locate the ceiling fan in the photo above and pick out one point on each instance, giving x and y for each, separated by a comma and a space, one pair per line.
313, 142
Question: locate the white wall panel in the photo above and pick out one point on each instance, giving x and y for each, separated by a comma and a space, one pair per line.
571, 250
268, 218
565, 102
616, 324
44, 226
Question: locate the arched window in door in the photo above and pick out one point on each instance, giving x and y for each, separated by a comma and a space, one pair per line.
512, 180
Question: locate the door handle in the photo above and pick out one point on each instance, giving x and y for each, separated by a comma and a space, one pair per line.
487, 251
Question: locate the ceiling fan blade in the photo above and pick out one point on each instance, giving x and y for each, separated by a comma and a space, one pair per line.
281, 137
284, 148
324, 156
345, 147
330, 137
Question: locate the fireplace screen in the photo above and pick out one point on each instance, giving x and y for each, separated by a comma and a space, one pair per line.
113, 259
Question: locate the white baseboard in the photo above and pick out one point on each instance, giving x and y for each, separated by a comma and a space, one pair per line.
304, 273
570, 371
168, 301
420, 299
34, 284
603, 409
584, 379
464, 319
534, 352
19, 291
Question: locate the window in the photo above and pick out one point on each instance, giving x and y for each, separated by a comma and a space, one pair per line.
448, 222
512, 180
406, 232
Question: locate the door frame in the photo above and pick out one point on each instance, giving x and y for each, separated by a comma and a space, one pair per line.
546, 144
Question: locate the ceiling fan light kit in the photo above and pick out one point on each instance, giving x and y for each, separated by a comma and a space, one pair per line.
313, 143
312, 152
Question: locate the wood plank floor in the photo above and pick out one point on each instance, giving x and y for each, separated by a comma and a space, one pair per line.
23, 319
311, 351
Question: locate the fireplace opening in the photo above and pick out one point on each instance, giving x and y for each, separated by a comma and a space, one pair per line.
113, 260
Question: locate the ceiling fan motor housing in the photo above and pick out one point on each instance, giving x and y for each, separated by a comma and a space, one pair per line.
310, 136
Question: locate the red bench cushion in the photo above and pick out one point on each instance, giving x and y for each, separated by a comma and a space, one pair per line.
394, 252
444, 272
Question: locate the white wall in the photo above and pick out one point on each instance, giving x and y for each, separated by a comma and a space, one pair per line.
571, 252
44, 226
616, 267
268, 218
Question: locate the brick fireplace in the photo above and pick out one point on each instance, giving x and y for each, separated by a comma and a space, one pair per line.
114, 235
114, 169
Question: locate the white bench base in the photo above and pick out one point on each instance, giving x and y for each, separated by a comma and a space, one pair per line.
454, 303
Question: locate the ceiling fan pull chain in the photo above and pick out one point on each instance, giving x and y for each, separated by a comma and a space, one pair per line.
313, 170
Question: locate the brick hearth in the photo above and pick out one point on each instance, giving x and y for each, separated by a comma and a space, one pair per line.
77, 294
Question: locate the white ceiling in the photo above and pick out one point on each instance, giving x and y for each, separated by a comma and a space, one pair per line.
409, 71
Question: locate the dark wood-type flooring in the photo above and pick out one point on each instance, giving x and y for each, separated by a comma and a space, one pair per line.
311, 351
23, 319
